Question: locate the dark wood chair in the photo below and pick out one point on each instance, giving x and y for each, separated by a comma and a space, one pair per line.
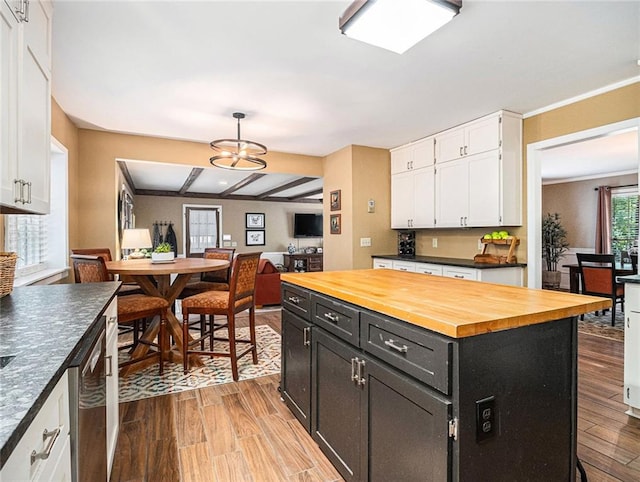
240, 297
209, 281
598, 278
634, 262
131, 308
127, 287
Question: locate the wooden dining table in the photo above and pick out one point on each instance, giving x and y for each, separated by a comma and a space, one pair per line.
574, 274
155, 280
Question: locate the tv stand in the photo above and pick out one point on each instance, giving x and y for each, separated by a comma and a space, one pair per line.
303, 262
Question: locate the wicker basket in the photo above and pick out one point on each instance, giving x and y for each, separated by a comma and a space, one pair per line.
7, 270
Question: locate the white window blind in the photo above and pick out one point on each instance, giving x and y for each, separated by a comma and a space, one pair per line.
625, 213
202, 229
27, 236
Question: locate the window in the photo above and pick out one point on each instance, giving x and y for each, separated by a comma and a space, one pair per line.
202, 226
624, 220
41, 241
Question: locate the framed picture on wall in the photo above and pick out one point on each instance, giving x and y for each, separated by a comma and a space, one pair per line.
334, 196
255, 238
335, 224
255, 220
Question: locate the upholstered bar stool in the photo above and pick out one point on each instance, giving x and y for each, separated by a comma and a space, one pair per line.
131, 308
239, 298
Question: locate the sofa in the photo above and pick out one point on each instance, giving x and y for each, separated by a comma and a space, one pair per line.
267, 284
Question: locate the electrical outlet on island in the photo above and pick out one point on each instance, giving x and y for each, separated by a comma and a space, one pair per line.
434, 242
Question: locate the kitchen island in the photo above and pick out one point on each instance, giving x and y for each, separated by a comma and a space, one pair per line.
405, 376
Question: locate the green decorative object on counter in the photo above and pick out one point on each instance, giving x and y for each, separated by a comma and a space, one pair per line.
163, 253
554, 245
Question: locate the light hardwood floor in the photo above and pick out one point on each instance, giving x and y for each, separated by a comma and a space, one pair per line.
243, 432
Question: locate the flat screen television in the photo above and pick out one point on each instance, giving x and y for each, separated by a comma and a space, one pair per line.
307, 225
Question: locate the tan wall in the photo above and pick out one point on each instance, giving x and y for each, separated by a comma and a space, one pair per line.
278, 219
371, 180
577, 204
98, 179
338, 248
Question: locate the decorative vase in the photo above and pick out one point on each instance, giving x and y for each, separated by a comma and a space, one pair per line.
162, 257
291, 249
551, 280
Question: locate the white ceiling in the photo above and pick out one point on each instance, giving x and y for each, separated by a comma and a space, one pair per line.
179, 69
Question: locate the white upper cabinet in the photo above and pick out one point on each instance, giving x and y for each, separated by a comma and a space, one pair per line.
475, 137
416, 155
476, 180
25, 106
412, 189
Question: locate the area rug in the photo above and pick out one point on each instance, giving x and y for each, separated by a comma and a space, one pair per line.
601, 325
148, 383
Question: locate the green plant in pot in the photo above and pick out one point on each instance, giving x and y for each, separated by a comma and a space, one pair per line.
554, 245
163, 252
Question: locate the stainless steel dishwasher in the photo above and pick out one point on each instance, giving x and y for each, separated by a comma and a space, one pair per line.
88, 411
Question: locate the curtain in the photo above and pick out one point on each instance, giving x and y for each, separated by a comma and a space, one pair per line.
603, 221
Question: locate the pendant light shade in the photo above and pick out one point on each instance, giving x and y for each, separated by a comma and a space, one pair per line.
238, 154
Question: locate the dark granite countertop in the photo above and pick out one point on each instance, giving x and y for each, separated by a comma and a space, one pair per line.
633, 278
43, 328
465, 263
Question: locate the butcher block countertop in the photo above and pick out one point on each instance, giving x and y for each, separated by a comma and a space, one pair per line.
453, 307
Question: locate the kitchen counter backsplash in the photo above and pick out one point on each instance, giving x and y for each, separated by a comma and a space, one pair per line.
41, 328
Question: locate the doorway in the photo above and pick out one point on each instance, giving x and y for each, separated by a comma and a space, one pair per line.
534, 189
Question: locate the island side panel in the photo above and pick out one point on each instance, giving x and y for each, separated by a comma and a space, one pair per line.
532, 374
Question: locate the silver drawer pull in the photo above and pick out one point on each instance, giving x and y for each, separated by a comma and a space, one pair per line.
354, 370
294, 299
47, 451
459, 276
332, 317
392, 344
305, 336
110, 365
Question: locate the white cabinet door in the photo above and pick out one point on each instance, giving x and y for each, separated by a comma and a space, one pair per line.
450, 145
484, 190
452, 194
8, 106
423, 198
482, 135
631, 344
402, 200
423, 155
401, 159
34, 131
111, 364
25, 106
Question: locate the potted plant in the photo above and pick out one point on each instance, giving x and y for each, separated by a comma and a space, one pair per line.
554, 245
163, 253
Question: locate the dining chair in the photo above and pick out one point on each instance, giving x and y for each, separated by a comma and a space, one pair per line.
131, 308
127, 287
209, 281
240, 297
598, 278
634, 262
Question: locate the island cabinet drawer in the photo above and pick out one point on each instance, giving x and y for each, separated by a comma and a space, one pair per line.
297, 301
460, 273
416, 352
337, 318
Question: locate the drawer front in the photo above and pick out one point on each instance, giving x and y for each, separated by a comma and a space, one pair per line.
404, 266
297, 301
416, 352
632, 296
460, 273
379, 263
337, 318
54, 418
427, 268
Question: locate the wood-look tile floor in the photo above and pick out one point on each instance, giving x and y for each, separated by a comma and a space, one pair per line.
244, 432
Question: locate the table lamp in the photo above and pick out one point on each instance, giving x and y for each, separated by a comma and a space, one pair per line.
136, 239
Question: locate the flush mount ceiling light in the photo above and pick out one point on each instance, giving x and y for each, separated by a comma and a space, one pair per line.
237, 153
396, 25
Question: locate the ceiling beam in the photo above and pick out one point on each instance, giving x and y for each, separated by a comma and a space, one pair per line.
193, 175
246, 181
304, 195
232, 197
284, 187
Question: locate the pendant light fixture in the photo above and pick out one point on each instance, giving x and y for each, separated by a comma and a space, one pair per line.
238, 154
